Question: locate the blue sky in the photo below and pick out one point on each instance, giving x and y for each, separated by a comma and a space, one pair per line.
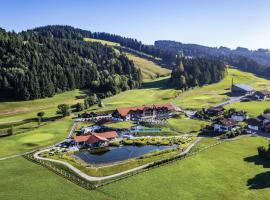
228, 23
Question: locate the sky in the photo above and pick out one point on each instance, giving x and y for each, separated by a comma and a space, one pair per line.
215, 23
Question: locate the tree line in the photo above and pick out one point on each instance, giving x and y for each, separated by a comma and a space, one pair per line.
196, 72
69, 32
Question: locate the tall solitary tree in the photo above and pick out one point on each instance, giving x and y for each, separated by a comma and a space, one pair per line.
40, 116
63, 109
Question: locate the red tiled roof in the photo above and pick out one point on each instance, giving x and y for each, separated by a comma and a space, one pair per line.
107, 135
81, 138
228, 122
124, 111
94, 138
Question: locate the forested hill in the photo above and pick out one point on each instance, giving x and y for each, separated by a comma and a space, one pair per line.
257, 61
68, 32
33, 65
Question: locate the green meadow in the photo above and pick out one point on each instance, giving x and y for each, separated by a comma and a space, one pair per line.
48, 134
19, 110
254, 108
213, 94
149, 69
231, 169
104, 42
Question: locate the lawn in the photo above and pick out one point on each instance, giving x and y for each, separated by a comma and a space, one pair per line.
24, 180
186, 125
45, 135
215, 93
124, 124
223, 172
254, 108
149, 69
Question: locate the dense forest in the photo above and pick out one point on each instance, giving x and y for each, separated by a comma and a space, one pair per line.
196, 72
43, 61
68, 32
34, 66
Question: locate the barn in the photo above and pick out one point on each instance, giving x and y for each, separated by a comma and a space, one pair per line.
241, 89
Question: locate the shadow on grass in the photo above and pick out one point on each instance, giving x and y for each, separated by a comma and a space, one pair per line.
257, 160
31, 144
159, 84
262, 180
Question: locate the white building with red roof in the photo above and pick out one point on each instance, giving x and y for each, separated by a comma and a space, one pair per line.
95, 139
155, 111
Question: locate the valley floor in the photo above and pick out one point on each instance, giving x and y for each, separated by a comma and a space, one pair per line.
231, 170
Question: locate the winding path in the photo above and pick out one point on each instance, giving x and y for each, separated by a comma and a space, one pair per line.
94, 178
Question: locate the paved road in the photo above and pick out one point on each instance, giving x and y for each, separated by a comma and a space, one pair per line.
93, 178
232, 100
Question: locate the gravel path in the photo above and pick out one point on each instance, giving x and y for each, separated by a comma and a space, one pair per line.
93, 178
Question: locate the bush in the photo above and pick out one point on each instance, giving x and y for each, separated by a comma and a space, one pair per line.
115, 144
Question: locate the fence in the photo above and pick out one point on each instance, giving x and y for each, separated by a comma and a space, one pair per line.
94, 185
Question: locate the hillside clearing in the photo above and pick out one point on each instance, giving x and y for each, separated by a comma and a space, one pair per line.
104, 42
149, 69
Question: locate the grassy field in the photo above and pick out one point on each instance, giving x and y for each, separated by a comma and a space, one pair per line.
21, 179
104, 42
127, 124
158, 91
149, 69
215, 93
19, 110
231, 170
151, 92
254, 108
45, 135
223, 172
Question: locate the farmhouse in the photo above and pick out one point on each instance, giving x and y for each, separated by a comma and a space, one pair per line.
215, 110
224, 125
254, 123
161, 111
262, 95
239, 116
241, 89
95, 139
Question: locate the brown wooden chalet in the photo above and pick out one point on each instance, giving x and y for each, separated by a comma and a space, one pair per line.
215, 110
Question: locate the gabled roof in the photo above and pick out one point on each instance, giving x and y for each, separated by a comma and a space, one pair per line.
264, 92
89, 138
254, 121
265, 116
124, 111
244, 87
94, 139
227, 122
216, 109
81, 138
107, 135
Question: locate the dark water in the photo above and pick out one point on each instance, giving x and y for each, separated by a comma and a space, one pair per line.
116, 154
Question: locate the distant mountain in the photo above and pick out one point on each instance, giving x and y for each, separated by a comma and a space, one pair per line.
257, 61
